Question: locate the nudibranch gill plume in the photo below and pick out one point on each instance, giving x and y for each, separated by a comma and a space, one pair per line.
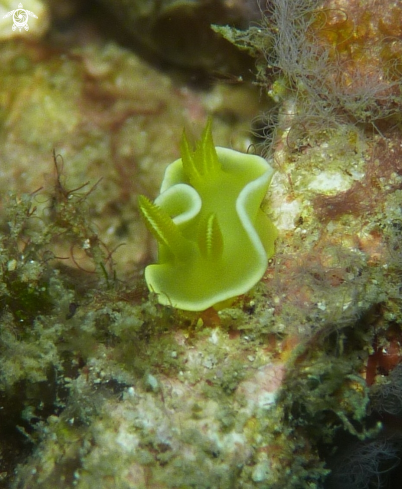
214, 240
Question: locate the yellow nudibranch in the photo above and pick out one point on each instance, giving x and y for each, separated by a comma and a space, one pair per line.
214, 239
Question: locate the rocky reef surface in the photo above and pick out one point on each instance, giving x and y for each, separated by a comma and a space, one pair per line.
298, 383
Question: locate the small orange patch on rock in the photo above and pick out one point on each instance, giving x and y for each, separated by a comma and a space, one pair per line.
373, 245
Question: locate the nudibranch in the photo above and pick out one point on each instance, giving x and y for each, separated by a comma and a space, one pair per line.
214, 241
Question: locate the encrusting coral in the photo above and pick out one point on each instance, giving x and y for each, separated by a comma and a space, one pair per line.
214, 240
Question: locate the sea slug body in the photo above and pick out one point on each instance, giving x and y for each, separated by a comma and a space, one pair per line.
214, 239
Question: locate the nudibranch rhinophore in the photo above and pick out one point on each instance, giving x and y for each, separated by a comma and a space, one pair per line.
214, 239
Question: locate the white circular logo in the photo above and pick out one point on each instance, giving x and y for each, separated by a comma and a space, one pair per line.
20, 18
